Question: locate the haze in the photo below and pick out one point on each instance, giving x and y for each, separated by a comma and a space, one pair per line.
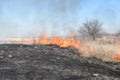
23, 18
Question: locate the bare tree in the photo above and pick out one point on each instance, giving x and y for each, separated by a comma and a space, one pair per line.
91, 29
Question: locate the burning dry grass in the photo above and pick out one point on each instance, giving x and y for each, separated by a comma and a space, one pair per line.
103, 49
106, 49
116, 56
61, 42
100, 51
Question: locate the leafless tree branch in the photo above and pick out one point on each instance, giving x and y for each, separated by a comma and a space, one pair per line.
91, 28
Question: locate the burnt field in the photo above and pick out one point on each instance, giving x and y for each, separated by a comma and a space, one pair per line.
50, 62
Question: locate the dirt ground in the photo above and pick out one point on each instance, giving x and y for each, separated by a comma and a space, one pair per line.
50, 62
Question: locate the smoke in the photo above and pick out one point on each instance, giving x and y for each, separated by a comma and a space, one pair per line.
61, 14
58, 5
62, 6
57, 16
65, 14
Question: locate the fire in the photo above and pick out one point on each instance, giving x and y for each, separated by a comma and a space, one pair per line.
62, 42
116, 56
56, 40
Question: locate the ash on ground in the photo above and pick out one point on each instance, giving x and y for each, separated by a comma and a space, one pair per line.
50, 62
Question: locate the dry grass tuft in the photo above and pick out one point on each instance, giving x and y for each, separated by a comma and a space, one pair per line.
100, 50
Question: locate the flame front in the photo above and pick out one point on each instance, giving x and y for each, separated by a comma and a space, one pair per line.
116, 56
62, 42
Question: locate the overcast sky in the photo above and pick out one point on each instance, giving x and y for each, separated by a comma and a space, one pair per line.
21, 18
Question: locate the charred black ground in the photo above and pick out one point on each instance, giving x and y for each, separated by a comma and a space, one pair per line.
50, 62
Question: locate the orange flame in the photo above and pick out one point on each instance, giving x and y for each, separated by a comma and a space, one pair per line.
62, 42
116, 56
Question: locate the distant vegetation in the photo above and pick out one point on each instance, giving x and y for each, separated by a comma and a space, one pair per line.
99, 44
91, 29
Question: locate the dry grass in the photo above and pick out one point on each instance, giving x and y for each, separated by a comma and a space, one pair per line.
100, 49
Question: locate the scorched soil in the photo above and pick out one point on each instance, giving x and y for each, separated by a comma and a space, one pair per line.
50, 62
